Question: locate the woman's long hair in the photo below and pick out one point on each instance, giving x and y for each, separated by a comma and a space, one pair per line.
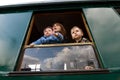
63, 31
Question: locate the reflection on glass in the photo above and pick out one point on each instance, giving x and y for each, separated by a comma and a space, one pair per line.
59, 58
104, 24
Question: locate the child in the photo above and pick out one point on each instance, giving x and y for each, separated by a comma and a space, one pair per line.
77, 35
49, 37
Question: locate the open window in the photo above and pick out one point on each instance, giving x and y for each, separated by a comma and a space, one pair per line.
67, 18
62, 57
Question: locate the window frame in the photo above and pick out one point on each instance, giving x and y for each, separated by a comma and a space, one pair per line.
56, 73
17, 71
61, 72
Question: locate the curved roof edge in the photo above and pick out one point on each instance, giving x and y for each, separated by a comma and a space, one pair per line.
60, 4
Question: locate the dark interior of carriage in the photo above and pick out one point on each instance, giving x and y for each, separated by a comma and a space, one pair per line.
67, 18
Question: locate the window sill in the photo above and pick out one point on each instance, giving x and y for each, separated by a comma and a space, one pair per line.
50, 73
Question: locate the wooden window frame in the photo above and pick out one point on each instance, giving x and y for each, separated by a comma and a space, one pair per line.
17, 71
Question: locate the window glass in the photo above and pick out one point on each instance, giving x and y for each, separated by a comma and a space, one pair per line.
12, 31
57, 58
44, 53
104, 24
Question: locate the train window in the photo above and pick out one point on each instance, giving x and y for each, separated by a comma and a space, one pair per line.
68, 19
65, 56
103, 40
59, 57
18, 23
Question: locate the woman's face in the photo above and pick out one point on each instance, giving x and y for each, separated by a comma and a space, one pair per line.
76, 33
56, 27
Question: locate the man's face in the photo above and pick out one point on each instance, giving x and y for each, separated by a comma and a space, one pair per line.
76, 33
48, 32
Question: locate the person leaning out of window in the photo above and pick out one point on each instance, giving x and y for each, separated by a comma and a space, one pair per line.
77, 36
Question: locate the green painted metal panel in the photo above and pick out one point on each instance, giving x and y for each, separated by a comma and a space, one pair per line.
104, 24
13, 27
111, 76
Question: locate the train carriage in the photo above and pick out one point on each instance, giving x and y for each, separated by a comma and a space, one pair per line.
21, 24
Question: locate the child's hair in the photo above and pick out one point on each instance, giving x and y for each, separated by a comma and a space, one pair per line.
47, 27
63, 31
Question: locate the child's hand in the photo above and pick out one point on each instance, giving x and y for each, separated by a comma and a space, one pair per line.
89, 68
31, 45
56, 34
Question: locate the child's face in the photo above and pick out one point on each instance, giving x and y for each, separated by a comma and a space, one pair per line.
56, 27
76, 33
48, 32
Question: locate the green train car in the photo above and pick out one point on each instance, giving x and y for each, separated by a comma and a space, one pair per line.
22, 24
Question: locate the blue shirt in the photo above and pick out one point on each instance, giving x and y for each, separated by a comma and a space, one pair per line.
49, 39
